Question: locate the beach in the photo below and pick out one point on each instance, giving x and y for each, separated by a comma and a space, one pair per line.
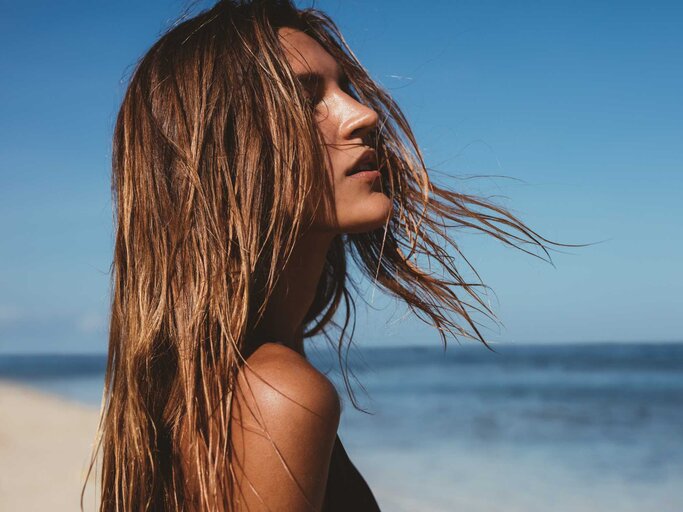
568, 428
45, 444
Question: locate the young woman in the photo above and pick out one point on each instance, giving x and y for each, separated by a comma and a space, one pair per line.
252, 155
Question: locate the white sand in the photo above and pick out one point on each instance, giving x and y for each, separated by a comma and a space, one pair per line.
45, 445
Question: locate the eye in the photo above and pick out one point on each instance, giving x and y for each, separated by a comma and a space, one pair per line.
313, 89
312, 100
345, 84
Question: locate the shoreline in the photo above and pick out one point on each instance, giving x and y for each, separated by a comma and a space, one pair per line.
45, 446
46, 440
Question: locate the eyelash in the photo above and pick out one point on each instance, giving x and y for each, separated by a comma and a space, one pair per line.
313, 98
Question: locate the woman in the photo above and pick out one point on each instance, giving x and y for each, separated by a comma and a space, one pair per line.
252, 154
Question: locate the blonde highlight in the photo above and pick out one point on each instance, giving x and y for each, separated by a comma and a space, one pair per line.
215, 176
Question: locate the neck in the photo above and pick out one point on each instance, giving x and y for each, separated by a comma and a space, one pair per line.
294, 293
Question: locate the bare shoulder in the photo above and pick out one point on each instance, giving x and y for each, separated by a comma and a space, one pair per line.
284, 380
285, 419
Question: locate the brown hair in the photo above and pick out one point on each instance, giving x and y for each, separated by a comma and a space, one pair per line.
214, 179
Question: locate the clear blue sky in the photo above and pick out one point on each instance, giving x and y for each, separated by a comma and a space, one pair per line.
579, 101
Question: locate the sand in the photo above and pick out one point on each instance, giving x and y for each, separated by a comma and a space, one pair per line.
45, 445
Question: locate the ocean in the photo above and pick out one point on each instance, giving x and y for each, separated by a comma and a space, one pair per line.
571, 427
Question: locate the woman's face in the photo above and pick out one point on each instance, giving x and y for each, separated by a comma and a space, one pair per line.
344, 123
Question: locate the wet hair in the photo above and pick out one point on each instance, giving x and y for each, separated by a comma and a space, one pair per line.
215, 176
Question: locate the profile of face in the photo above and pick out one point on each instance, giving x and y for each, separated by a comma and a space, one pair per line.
344, 123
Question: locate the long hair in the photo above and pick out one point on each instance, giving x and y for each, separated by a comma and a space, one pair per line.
215, 176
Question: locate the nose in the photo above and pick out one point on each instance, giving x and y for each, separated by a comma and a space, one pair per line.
360, 121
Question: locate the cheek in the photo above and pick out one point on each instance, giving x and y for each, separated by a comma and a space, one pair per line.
334, 152
326, 125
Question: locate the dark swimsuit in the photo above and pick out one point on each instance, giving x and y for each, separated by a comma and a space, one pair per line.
347, 490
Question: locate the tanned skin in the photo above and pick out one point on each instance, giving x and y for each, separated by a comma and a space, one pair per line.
283, 403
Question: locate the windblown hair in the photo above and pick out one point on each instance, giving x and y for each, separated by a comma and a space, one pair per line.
216, 175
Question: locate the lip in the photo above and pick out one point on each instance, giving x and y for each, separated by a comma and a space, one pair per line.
367, 156
366, 175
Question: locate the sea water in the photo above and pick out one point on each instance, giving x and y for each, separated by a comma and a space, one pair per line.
572, 427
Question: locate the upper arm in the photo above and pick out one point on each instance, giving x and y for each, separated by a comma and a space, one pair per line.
285, 419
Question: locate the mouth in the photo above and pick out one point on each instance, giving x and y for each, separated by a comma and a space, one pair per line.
364, 165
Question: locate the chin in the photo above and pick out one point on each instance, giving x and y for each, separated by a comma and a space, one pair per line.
367, 217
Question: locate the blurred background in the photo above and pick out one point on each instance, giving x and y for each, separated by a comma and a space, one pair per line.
570, 113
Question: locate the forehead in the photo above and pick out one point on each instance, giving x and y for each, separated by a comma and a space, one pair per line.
305, 54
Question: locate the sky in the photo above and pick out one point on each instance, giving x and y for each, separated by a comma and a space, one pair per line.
574, 106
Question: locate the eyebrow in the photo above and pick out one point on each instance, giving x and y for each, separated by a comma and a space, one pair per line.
313, 78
